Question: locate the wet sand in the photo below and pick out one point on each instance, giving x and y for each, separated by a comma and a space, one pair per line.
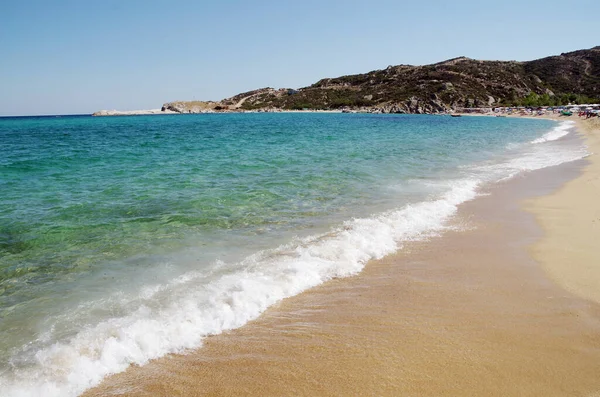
570, 251
470, 313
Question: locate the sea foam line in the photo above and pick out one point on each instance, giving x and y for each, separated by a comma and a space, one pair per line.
557, 132
231, 300
532, 156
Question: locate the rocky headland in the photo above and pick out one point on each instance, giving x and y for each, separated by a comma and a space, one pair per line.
442, 87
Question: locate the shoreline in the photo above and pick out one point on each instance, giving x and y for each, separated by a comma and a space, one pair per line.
570, 219
468, 313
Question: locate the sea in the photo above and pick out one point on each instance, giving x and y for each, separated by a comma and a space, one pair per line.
123, 239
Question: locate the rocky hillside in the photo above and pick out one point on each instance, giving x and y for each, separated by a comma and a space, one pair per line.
455, 83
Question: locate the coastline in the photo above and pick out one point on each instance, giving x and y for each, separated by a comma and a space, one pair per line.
570, 219
468, 313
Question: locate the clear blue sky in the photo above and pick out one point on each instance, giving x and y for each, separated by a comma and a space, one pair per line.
61, 57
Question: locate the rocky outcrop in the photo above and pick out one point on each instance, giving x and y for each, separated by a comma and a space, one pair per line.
191, 107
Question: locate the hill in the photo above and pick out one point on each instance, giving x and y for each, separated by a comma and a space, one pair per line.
455, 83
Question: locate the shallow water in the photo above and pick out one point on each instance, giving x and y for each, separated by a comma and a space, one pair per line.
123, 239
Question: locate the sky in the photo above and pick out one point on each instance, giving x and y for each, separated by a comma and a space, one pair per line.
75, 57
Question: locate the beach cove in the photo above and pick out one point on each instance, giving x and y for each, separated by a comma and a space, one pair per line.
209, 248
467, 313
282, 199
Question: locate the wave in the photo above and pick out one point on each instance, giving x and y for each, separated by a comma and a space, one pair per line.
175, 316
557, 132
532, 156
228, 301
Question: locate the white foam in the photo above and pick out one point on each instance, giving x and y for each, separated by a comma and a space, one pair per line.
557, 132
532, 156
175, 316
530, 161
228, 301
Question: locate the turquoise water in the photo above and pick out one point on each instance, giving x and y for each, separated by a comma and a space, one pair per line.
150, 232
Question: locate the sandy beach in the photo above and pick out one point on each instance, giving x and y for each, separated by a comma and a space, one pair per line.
262, 200
571, 221
505, 305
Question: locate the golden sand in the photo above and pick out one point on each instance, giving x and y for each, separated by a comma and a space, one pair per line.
570, 251
469, 313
